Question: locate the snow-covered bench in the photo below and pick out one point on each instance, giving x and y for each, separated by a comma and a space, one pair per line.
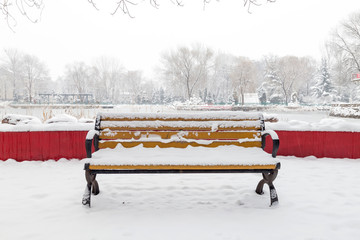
206, 142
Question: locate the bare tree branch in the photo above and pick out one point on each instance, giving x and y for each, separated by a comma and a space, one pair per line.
25, 5
123, 5
93, 4
347, 48
206, 2
250, 3
154, 3
8, 9
177, 3
4, 7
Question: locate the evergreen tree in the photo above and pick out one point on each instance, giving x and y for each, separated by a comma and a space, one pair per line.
324, 89
272, 85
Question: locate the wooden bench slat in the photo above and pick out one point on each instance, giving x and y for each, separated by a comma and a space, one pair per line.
175, 128
173, 144
181, 167
207, 135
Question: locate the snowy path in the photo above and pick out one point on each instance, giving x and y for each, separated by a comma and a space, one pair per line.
318, 200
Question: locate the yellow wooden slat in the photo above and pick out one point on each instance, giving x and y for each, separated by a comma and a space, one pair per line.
186, 135
170, 128
148, 144
181, 167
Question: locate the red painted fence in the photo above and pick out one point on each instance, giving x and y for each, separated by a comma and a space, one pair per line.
44, 145
318, 144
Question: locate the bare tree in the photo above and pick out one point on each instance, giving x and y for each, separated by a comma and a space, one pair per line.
34, 74
220, 82
12, 67
134, 81
187, 67
291, 75
346, 39
3, 84
108, 76
77, 78
285, 77
345, 56
243, 76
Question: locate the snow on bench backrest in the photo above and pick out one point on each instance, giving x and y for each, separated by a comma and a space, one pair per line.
209, 129
222, 116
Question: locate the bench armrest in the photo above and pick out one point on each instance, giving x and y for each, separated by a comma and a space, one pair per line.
91, 136
275, 138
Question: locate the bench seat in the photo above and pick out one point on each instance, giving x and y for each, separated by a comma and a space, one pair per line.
221, 157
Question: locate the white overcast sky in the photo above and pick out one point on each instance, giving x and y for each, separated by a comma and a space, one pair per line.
72, 30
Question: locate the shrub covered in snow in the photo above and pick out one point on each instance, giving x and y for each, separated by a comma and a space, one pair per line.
350, 112
16, 119
62, 118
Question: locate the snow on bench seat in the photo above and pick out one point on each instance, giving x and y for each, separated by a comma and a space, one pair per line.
230, 157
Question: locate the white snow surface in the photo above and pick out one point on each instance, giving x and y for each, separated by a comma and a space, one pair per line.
179, 124
18, 119
229, 115
59, 126
326, 124
62, 118
272, 133
90, 135
203, 156
61, 122
288, 121
317, 200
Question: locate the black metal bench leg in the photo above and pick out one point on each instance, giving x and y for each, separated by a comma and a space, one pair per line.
92, 186
268, 178
260, 186
87, 195
273, 195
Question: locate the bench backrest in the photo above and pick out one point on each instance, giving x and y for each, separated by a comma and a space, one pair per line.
208, 129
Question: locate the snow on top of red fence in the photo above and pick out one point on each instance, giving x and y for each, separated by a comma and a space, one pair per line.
324, 125
61, 122
47, 127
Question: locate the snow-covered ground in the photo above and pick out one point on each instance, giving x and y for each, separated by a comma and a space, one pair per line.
318, 200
